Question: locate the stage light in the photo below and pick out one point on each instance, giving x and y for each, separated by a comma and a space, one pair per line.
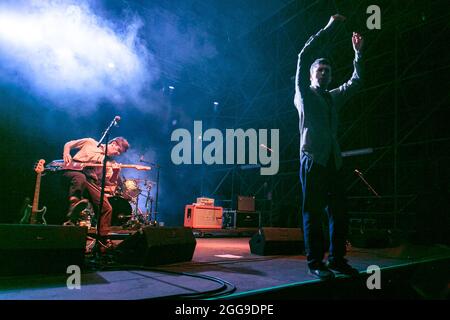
171, 87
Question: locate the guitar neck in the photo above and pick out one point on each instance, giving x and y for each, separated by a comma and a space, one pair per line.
35, 206
126, 166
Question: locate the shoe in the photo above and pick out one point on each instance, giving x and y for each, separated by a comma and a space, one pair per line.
321, 272
342, 266
105, 245
76, 208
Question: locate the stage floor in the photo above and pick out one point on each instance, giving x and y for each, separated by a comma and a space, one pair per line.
222, 267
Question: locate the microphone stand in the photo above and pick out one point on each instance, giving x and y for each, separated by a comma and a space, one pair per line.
105, 137
360, 175
113, 123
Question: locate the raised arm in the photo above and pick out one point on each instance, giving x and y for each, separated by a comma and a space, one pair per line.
308, 54
348, 89
74, 144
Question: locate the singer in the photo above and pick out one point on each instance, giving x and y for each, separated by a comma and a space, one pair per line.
86, 185
320, 158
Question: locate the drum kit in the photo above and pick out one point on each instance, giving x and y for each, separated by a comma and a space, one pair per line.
125, 204
127, 211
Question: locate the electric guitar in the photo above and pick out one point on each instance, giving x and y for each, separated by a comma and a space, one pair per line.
32, 214
58, 165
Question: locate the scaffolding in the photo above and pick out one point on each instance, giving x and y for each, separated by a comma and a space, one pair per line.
397, 114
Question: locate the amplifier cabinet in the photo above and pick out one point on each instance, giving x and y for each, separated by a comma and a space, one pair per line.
241, 219
208, 217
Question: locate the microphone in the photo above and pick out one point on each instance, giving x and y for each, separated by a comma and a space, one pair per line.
358, 172
116, 120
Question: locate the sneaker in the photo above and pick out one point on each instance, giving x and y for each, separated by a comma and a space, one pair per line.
76, 209
342, 266
321, 272
105, 245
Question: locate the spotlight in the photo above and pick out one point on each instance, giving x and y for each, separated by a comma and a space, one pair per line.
216, 103
171, 87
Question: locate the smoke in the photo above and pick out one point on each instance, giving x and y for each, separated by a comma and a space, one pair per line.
182, 39
63, 52
68, 67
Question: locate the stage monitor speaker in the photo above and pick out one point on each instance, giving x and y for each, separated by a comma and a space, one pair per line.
40, 249
152, 246
277, 241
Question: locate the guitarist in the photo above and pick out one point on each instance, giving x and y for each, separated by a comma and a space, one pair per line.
87, 183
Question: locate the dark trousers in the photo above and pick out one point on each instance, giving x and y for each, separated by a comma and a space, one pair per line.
322, 191
80, 187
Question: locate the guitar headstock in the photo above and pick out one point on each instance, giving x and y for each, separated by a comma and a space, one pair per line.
39, 167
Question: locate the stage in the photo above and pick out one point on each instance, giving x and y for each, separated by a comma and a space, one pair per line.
223, 267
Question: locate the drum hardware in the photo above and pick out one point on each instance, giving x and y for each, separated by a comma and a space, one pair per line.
158, 167
125, 206
125, 203
131, 188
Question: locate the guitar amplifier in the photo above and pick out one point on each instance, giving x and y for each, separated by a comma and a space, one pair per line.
208, 217
246, 203
241, 219
205, 202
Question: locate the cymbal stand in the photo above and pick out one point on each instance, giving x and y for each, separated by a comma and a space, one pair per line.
148, 199
158, 167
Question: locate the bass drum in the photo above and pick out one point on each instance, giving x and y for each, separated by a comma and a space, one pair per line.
121, 210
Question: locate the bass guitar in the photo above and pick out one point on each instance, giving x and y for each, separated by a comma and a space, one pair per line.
58, 165
32, 214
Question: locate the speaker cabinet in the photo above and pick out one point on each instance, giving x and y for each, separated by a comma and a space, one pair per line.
246, 203
207, 217
153, 246
40, 249
277, 241
241, 219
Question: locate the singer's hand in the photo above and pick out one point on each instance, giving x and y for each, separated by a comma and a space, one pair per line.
336, 17
357, 41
